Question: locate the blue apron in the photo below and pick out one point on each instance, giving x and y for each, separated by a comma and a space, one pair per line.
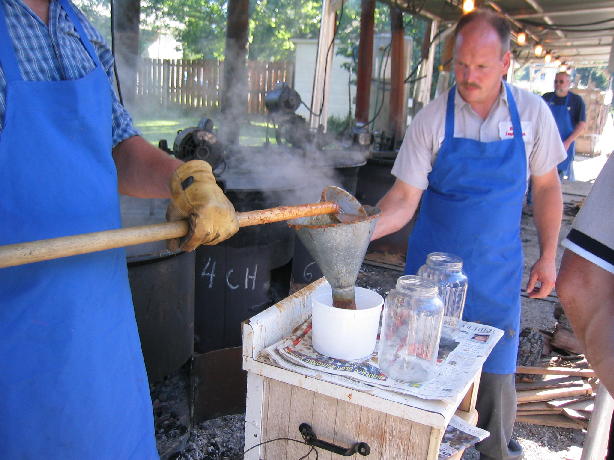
562, 116
472, 208
72, 379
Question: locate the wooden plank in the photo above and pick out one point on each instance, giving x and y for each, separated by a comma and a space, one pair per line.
371, 429
254, 410
521, 413
564, 339
563, 402
552, 383
428, 412
277, 418
323, 422
468, 402
586, 405
403, 440
540, 405
347, 430
301, 411
553, 393
555, 371
551, 420
575, 415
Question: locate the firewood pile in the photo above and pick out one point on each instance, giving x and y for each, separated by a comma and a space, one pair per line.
555, 384
563, 398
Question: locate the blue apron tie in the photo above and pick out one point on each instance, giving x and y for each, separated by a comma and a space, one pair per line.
72, 377
472, 208
562, 116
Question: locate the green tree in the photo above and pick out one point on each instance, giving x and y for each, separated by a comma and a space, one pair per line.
274, 23
596, 75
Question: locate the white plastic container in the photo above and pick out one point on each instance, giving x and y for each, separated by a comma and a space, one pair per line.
345, 334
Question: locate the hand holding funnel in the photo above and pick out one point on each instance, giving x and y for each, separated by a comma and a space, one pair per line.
338, 242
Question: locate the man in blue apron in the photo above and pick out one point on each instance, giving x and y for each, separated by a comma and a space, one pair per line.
468, 155
72, 376
570, 116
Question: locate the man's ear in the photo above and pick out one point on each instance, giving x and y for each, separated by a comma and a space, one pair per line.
506, 61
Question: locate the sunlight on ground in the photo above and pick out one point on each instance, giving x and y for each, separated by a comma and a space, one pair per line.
252, 134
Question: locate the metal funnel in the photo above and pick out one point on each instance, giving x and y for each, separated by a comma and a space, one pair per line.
338, 243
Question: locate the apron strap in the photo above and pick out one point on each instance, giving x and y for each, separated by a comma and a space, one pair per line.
449, 133
8, 60
514, 115
79, 28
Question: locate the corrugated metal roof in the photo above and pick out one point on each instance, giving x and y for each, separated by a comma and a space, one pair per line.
578, 32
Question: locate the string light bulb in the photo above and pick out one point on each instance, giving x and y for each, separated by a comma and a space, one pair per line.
548, 58
557, 62
468, 6
521, 38
563, 67
539, 49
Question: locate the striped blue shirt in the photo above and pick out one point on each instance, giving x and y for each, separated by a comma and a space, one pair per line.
55, 52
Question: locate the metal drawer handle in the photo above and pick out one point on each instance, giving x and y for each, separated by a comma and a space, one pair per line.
311, 439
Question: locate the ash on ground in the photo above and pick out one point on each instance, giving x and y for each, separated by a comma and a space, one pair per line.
217, 439
177, 438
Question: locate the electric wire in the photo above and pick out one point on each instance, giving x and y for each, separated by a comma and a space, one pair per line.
313, 449
382, 89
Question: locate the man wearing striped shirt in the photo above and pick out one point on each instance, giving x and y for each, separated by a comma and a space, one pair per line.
585, 283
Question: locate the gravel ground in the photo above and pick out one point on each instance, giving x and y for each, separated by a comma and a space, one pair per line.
222, 438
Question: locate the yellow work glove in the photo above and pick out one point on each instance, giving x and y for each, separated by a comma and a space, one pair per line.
197, 197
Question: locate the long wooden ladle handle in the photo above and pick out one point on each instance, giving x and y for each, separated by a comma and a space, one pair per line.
36, 251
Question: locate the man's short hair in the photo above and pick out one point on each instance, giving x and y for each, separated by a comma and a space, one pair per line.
495, 20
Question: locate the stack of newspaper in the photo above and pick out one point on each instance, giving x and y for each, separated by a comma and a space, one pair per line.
462, 352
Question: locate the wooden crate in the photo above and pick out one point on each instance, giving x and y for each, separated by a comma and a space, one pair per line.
278, 400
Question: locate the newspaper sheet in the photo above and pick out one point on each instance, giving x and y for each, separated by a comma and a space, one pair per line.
458, 436
462, 351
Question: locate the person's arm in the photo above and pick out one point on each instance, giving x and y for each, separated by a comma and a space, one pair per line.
547, 214
143, 170
398, 206
586, 292
578, 130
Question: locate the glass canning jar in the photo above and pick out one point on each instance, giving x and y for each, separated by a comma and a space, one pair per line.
446, 270
411, 328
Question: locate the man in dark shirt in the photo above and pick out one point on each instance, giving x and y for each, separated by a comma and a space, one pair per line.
570, 115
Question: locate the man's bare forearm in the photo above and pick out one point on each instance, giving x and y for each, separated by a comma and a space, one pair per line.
547, 212
397, 208
586, 292
143, 170
578, 130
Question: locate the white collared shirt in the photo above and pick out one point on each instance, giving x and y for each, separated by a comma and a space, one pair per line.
425, 135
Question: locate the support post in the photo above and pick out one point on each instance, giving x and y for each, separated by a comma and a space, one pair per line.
324, 63
365, 60
234, 93
423, 88
127, 18
596, 441
397, 115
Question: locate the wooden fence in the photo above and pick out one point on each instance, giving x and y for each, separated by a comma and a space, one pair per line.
198, 83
